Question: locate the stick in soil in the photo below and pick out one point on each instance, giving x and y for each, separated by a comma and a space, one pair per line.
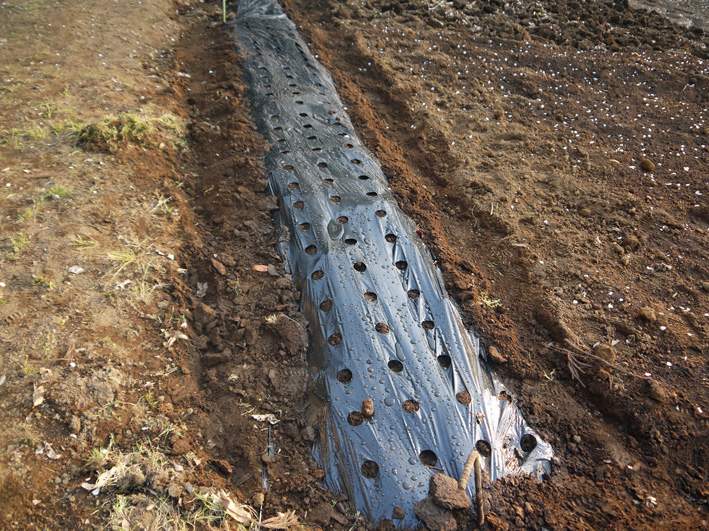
473, 463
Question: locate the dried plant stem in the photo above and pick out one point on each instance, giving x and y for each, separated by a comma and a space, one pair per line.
573, 352
473, 463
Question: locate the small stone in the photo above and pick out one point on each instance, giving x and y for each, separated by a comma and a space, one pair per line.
309, 433
495, 356
576, 439
434, 517
222, 466
368, 407
399, 513
647, 165
181, 446
74, 424
648, 314
618, 249
258, 499
705, 286
213, 359
321, 514
605, 352
631, 242
445, 492
625, 260
657, 392
585, 212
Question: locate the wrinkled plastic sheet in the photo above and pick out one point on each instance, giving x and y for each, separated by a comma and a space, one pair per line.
382, 325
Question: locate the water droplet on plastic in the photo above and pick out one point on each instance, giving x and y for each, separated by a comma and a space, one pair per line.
335, 229
389, 401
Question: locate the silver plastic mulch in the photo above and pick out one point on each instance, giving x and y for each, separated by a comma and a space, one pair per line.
382, 325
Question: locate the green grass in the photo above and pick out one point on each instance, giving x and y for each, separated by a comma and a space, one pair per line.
81, 242
36, 132
492, 303
12, 136
47, 109
56, 192
17, 243
59, 192
27, 368
112, 131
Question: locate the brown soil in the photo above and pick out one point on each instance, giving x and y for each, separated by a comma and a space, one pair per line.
126, 150
517, 149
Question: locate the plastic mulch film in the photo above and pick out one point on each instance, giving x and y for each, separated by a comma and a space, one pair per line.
382, 326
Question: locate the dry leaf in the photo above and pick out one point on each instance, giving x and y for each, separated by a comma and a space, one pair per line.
38, 396
260, 268
270, 418
219, 266
105, 478
122, 285
50, 453
202, 288
172, 336
71, 349
233, 509
282, 521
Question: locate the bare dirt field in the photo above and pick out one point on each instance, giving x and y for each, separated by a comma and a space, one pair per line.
553, 154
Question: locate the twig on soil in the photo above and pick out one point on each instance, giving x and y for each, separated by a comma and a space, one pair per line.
473, 463
576, 367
